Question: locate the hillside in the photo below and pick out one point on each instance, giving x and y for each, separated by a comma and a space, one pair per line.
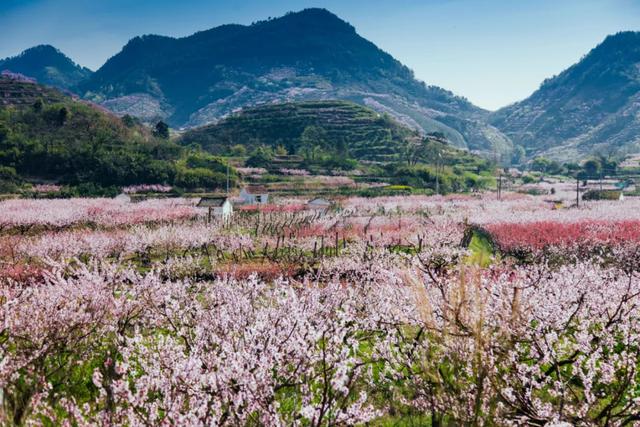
48, 66
328, 136
59, 139
359, 132
309, 55
16, 90
592, 107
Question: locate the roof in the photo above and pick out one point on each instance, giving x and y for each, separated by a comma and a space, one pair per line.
319, 201
255, 189
212, 202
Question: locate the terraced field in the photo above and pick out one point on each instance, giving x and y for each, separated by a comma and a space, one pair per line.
365, 134
14, 92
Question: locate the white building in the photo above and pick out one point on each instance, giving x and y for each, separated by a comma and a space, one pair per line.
318, 203
219, 207
123, 197
254, 195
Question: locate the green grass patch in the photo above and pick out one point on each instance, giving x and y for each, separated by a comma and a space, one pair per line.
482, 250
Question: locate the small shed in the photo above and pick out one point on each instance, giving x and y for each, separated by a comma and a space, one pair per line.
252, 195
219, 207
319, 203
123, 197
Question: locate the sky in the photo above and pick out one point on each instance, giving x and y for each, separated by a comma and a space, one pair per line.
494, 52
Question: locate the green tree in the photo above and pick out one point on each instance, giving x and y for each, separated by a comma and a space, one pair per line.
4, 132
63, 116
608, 165
8, 179
591, 168
239, 150
313, 140
8, 174
129, 121
38, 105
261, 157
413, 146
518, 155
206, 161
571, 168
542, 164
162, 130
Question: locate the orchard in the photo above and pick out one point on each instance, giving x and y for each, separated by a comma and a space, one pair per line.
456, 310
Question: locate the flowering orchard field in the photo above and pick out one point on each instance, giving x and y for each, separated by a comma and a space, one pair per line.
117, 313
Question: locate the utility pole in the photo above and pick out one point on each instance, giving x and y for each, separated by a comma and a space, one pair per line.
577, 191
500, 185
600, 178
227, 178
438, 159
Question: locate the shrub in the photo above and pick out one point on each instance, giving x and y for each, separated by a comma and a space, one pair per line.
260, 158
8, 179
200, 178
601, 195
90, 189
8, 174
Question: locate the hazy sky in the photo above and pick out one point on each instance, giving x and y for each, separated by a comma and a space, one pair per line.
494, 52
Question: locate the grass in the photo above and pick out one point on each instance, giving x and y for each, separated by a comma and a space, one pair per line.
482, 251
419, 420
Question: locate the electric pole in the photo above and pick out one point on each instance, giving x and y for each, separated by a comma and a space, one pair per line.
227, 178
438, 160
600, 178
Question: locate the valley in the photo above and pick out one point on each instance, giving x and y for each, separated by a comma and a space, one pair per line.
278, 224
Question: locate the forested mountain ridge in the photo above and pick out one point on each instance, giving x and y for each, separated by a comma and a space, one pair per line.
593, 107
47, 65
308, 55
48, 136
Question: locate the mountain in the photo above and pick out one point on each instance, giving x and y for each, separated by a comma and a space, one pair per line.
48, 66
308, 55
592, 107
346, 127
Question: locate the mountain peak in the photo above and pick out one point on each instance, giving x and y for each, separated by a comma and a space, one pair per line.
623, 46
310, 20
48, 65
621, 38
42, 48
39, 55
316, 14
